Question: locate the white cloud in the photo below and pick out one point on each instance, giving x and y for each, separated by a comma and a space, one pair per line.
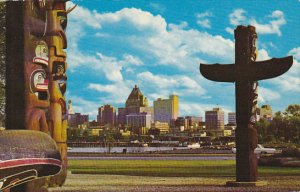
266, 95
158, 7
275, 21
115, 93
273, 27
140, 20
83, 106
81, 15
169, 44
179, 84
202, 19
111, 67
263, 55
288, 83
130, 59
198, 109
237, 17
108, 66
229, 30
295, 52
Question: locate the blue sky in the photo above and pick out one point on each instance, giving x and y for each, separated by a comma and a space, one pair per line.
158, 45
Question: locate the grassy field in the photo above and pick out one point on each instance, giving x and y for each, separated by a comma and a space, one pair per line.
170, 168
170, 176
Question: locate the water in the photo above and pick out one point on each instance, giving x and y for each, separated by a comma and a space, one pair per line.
120, 149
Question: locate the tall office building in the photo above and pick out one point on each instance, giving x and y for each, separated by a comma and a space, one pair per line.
166, 109
75, 120
136, 103
138, 120
135, 100
193, 121
121, 116
106, 115
231, 118
214, 119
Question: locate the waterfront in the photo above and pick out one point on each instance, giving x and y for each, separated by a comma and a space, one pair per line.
122, 149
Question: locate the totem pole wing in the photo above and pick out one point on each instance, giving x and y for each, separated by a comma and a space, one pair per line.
218, 72
25, 156
271, 68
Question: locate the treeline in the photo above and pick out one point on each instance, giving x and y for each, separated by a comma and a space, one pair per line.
285, 127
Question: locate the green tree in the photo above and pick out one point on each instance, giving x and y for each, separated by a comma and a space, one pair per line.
286, 126
293, 111
262, 130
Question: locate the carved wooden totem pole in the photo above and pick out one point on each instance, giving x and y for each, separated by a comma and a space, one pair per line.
245, 73
36, 74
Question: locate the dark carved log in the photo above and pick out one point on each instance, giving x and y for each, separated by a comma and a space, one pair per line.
245, 73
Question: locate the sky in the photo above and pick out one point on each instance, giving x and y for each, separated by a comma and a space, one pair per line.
158, 45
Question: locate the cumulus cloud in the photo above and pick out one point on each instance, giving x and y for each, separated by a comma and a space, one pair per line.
237, 17
158, 7
263, 55
290, 81
111, 67
274, 22
273, 27
168, 44
295, 52
266, 95
148, 36
202, 19
81, 105
198, 109
116, 93
179, 84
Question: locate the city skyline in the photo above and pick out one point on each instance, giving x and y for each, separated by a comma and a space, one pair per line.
157, 45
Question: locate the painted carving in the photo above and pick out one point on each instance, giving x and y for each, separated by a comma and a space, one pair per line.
41, 53
245, 73
45, 80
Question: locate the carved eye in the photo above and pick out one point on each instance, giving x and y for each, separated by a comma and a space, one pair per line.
63, 19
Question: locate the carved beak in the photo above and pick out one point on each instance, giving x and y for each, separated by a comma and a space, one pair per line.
71, 9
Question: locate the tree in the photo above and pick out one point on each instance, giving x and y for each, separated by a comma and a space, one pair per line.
285, 126
293, 111
262, 130
2, 62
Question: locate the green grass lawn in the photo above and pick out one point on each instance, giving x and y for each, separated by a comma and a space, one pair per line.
170, 168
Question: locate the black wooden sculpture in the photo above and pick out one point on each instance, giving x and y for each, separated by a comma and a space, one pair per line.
245, 73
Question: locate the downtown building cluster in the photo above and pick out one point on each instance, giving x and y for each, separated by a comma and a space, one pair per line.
137, 117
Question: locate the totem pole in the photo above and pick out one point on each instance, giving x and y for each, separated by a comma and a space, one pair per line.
36, 74
245, 73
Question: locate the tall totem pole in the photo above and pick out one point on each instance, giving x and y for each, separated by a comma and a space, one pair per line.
245, 73
36, 73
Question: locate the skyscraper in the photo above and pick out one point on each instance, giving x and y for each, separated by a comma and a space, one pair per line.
136, 103
135, 100
214, 119
166, 109
106, 115
138, 120
231, 118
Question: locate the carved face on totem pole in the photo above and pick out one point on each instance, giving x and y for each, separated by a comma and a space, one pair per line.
45, 72
36, 58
